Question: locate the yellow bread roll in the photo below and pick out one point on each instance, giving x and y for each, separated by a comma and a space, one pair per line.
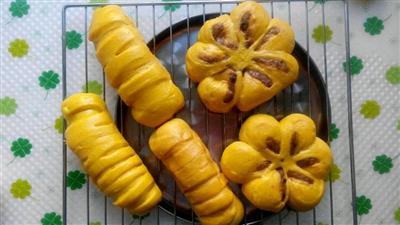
242, 59
196, 174
111, 163
142, 82
279, 163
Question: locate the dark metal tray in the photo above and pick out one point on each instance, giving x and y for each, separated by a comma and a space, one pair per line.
307, 95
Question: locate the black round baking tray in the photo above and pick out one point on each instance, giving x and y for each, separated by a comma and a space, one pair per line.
307, 95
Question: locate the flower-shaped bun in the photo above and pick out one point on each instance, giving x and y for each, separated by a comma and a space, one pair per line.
279, 162
242, 59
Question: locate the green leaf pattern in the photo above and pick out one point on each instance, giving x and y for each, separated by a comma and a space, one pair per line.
19, 8
8, 106
95, 223
382, 164
335, 172
59, 124
333, 132
398, 125
393, 75
397, 215
21, 147
97, 1
356, 65
319, 36
94, 87
75, 179
363, 205
49, 80
373, 25
370, 109
171, 7
18, 48
20, 189
51, 218
73, 39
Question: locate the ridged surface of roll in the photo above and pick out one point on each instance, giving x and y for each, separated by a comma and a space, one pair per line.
106, 156
196, 174
141, 80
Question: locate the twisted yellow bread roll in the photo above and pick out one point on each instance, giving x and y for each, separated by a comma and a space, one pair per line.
197, 175
279, 162
142, 82
106, 156
242, 59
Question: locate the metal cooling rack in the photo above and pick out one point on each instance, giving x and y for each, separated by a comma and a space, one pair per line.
289, 92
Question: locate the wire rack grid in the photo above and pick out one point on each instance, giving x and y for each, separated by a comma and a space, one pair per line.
113, 216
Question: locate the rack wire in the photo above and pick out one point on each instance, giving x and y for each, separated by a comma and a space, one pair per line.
287, 95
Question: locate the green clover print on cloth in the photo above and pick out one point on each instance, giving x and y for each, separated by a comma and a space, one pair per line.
319, 36
20, 189
74, 39
382, 164
75, 179
21, 147
333, 132
49, 80
19, 8
335, 173
94, 87
18, 48
59, 124
398, 125
317, 2
363, 205
97, 1
356, 65
171, 7
374, 25
95, 223
8, 106
51, 218
397, 215
370, 109
393, 75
